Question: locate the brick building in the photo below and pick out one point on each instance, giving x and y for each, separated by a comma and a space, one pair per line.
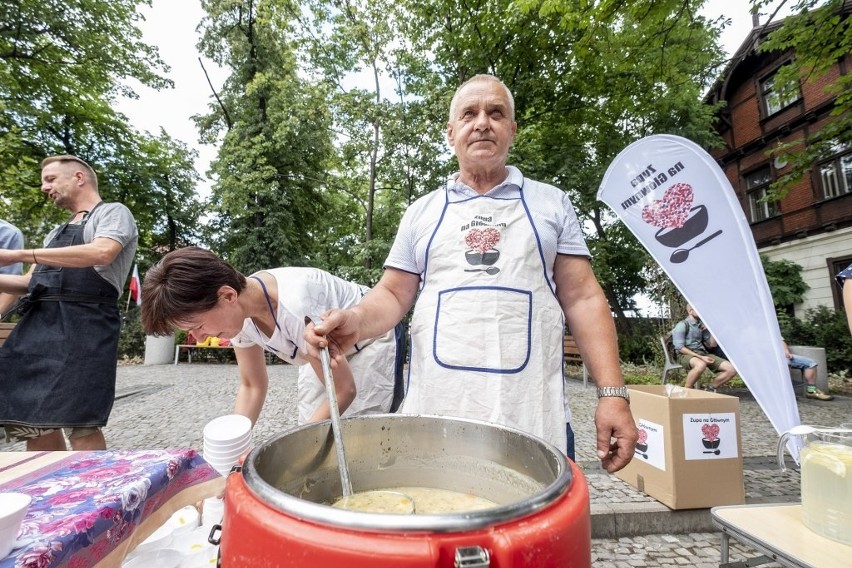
812, 224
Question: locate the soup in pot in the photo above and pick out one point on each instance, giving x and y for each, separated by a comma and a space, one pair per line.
417, 500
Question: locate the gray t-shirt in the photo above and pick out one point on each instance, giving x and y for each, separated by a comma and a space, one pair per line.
11, 238
113, 221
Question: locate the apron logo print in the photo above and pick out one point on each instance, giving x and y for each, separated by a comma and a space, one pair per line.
480, 244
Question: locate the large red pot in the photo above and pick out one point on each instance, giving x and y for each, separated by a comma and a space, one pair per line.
276, 512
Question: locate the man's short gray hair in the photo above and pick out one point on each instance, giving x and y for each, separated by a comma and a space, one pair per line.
68, 158
483, 78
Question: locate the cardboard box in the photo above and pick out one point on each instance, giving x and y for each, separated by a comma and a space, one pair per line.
689, 452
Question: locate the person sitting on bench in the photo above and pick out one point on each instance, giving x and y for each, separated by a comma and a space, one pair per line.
809, 371
692, 343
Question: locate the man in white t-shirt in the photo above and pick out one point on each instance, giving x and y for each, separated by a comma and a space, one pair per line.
498, 265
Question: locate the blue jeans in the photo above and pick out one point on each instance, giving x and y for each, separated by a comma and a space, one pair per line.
800, 362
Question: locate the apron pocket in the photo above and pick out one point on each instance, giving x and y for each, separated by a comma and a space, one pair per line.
496, 320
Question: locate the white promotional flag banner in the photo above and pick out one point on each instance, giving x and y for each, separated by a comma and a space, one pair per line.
678, 203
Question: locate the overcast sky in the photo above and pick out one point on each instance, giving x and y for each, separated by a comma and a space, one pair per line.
170, 25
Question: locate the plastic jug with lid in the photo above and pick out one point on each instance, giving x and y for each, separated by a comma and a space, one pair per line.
826, 472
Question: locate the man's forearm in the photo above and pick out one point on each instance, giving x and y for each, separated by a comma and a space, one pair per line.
101, 251
14, 284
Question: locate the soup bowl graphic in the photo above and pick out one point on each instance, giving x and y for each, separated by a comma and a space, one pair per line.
695, 224
475, 257
710, 444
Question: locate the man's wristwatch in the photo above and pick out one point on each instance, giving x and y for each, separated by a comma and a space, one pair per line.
620, 392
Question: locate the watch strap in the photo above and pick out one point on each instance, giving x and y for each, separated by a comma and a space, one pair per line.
619, 392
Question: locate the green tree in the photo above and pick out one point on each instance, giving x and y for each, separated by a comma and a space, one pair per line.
385, 148
785, 281
63, 65
819, 34
588, 79
274, 126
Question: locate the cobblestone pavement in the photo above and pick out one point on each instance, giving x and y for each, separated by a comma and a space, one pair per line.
166, 406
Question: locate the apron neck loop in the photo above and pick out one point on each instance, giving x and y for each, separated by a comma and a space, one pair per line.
86, 214
268, 301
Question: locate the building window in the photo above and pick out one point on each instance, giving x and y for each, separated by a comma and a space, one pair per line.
836, 175
757, 186
775, 99
835, 265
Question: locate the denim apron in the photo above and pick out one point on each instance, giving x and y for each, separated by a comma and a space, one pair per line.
486, 333
58, 366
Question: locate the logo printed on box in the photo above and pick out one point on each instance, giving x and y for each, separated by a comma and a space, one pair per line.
651, 446
710, 436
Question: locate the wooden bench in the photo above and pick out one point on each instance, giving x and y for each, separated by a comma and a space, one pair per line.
571, 354
190, 348
5, 330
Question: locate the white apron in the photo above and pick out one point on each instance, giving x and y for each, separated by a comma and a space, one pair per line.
486, 334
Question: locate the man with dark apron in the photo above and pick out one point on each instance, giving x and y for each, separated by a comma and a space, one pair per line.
58, 366
498, 266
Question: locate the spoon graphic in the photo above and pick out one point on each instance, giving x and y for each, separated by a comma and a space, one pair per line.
681, 255
489, 270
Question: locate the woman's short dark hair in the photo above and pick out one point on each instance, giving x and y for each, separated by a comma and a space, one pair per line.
184, 283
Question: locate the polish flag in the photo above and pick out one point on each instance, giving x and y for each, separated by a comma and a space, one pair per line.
136, 286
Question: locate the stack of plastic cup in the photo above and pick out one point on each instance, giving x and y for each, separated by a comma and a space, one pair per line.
225, 439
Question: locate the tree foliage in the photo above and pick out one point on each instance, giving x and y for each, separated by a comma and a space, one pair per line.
588, 79
274, 125
63, 65
785, 281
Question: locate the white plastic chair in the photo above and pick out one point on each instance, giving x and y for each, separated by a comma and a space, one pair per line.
668, 365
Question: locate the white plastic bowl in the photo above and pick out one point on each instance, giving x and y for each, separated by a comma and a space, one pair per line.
240, 446
226, 454
13, 509
227, 429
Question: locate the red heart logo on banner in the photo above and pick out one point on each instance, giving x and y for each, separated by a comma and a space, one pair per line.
643, 436
482, 240
671, 210
710, 431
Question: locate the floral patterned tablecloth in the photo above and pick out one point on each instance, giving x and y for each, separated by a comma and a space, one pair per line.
92, 508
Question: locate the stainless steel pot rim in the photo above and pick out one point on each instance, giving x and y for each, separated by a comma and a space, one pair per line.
376, 522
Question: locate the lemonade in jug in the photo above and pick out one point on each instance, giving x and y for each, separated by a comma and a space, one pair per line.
826, 470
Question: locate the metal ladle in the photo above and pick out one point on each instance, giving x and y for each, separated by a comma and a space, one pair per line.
345, 481
390, 501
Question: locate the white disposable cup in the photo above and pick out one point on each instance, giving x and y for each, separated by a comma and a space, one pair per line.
212, 511
227, 429
13, 509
